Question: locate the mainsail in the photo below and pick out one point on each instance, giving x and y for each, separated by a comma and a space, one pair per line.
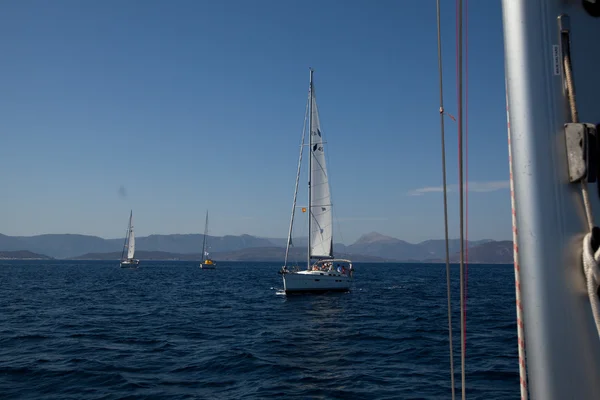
321, 223
131, 241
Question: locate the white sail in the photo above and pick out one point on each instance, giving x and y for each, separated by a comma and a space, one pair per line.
131, 242
321, 221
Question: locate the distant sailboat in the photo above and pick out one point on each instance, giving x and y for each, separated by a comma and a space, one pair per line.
129, 261
206, 263
327, 274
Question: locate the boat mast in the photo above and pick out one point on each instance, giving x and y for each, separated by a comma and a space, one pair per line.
443, 138
310, 156
563, 347
461, 193
204, 238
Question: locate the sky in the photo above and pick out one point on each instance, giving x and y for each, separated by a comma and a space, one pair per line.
173, 108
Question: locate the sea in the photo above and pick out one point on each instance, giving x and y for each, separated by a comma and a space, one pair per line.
169, 330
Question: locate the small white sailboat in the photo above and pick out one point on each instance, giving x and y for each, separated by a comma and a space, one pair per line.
129, 261
206, 263
327, 274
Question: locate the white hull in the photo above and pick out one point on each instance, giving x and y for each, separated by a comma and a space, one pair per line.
130, 263
208, 266
315, 281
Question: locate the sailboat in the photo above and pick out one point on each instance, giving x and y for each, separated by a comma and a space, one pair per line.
206, 263
327, 273
129, 246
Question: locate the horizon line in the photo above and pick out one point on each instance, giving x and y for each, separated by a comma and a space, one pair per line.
243, 234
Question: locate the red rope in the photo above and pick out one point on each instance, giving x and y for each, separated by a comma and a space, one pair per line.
466, 145
519, 304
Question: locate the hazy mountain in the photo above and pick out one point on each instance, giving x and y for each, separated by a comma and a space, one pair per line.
437, 247
489, 253
297, 241
296, 256
68, 245
385, 246
275, 254
373, 246
389, 247
192, 243
22, 255
59, 245
302, 243
141, 255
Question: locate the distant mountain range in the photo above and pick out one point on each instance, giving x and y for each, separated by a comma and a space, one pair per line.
249, 254
372, 247
22, 255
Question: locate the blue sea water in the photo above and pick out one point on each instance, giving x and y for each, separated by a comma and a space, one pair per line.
169, 330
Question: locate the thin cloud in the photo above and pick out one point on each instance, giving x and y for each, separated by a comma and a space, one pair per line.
477, 187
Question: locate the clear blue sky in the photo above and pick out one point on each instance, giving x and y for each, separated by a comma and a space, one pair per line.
195, 105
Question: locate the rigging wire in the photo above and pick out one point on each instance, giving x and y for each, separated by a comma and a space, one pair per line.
448, 287
291, 230
466, 161
459, 72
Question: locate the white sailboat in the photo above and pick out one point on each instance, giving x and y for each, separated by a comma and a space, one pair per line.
328, 273
206, 263
129, 261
